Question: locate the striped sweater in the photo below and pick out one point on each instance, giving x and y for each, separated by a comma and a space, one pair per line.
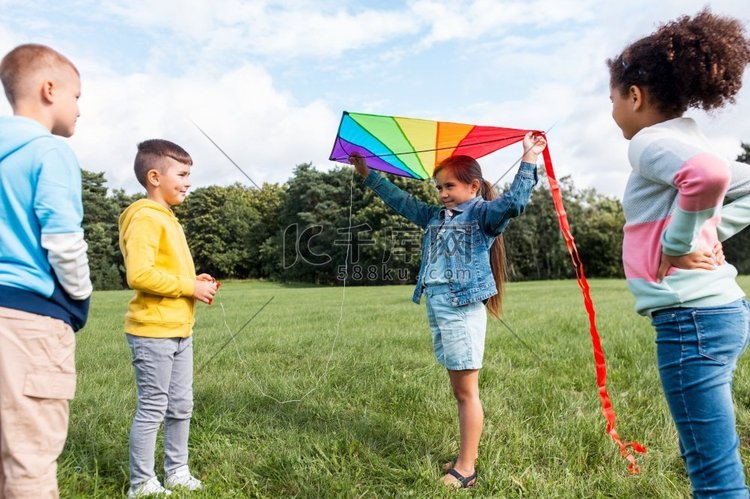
673, 204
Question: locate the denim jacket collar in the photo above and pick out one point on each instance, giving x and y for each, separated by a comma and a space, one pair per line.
460, 208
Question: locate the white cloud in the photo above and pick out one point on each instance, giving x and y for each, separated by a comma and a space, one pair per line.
284, 30
474, 20
257, 76
569, 88
262, 130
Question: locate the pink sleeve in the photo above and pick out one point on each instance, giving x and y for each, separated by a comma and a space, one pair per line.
702, 182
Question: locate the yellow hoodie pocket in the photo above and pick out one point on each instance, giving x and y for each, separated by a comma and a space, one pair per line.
147, 308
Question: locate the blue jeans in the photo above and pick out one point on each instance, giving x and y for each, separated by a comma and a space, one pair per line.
697, 351
164, 379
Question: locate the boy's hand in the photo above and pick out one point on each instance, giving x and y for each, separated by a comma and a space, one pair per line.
205, 289
706, 260
359, 163
209, 277
533, 145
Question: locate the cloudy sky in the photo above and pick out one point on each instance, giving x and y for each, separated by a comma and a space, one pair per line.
268, 80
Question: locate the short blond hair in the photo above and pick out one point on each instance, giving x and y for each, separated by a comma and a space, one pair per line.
23, 61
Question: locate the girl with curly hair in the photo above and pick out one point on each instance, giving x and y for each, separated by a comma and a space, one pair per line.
675, 216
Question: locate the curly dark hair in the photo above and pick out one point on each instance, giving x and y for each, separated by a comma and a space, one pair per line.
689, 62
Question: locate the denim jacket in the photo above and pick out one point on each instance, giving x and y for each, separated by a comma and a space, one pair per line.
467, 235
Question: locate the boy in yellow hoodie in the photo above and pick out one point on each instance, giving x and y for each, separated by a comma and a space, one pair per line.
159, 320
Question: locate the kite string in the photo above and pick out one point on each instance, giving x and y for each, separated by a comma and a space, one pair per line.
341, 308
520, 158
231, 335
225, 154
326, 369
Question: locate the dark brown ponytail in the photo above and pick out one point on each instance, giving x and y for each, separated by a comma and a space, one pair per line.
498, 262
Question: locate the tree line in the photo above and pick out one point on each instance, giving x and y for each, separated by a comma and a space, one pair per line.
323, 226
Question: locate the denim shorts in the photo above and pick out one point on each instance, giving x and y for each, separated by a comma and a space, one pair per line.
457, 332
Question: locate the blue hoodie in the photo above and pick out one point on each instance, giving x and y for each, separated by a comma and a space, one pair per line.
43, 263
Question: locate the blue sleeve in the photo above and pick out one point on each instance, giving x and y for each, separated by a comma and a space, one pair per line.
403, 203
57, 202
495, 215
59, 209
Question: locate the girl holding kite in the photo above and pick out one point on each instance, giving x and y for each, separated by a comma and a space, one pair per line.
675, 214
462, 269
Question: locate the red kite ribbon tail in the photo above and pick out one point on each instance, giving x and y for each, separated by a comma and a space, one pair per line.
601, 365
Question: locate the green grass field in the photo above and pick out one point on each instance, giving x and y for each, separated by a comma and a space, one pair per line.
290, 409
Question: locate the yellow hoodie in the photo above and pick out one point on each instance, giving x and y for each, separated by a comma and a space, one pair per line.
160, 269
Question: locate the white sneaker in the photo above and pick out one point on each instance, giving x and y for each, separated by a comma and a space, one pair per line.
147, 488
182, 478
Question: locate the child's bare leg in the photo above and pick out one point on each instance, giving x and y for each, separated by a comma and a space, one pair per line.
465, 386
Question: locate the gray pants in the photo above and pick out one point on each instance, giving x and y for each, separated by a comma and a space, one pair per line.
164, 379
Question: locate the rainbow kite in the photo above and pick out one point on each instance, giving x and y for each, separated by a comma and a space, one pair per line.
412, 147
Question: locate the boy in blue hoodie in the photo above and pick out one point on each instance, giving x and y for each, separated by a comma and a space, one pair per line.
44, 273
